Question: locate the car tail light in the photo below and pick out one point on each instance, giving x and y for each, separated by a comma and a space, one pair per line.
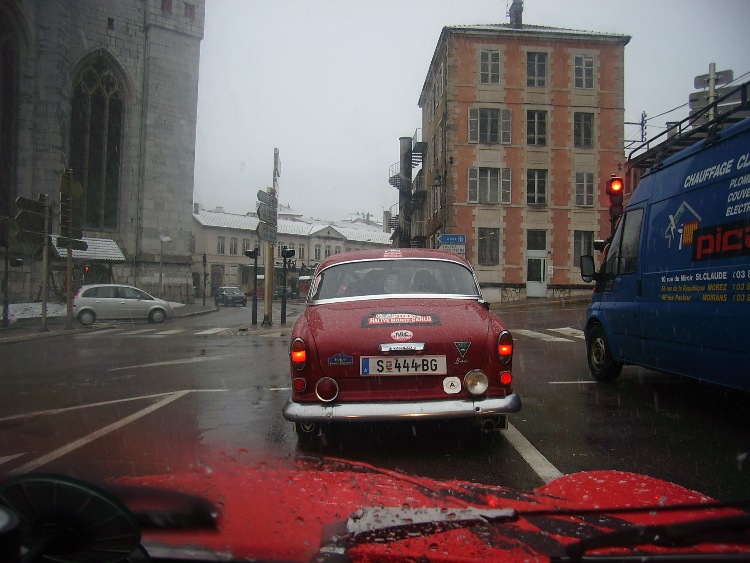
326, 389
298, 352
476, 382
299, 384
505, 347
506, 378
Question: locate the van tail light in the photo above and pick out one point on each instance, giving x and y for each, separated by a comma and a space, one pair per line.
298, 352
505, 347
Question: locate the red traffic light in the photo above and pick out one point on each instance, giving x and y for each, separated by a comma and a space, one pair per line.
615, 185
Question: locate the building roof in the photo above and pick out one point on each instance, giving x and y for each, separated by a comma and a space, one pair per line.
99, 250
509, 31
353, 231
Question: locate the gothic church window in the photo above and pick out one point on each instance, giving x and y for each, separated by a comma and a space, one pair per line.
96, 139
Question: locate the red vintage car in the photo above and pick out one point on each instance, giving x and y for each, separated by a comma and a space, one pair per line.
398, 334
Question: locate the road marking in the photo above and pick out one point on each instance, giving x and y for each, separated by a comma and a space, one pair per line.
195, 360
570, 331
539, 335
280, 389
76, 444
540, 464
141, 331
8, 458
99, 404
167, 332
212, 330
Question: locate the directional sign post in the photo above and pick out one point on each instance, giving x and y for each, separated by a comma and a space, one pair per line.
267, 232
452, 243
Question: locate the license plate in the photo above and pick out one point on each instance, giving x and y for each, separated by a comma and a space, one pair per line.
403, 365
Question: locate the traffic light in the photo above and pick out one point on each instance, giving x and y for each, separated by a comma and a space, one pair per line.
615, 188
30, 219
251, 253
287, 252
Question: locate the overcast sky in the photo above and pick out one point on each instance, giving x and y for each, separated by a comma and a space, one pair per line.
333, 84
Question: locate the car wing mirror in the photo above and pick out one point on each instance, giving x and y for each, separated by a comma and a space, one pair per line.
588, 269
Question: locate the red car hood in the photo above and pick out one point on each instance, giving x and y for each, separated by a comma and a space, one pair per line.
283, 509
367, 324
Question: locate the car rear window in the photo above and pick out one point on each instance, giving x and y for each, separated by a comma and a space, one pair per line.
395, 277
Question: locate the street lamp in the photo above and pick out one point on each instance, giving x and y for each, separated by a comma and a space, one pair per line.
162, 240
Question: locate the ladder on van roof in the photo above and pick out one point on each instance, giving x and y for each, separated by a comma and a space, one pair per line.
690, 130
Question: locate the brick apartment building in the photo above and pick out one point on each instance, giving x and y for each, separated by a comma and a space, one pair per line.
522, 126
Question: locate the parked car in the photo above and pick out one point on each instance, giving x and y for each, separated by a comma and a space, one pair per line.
230, 296
398, 334
112, 301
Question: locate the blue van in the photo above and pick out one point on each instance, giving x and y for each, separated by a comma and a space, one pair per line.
673, 292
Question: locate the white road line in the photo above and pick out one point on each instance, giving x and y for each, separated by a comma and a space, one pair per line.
539, 335
280, 389
212, 330
540, 464
167, 332
100, 404
195, 360
141, 331
7, 458
68, 448
569, 331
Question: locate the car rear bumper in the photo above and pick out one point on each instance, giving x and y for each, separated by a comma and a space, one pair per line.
329, 412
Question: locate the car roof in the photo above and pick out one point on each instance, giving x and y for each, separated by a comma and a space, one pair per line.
393, 254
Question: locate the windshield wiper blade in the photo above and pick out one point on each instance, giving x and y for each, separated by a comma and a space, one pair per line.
731, 530
369, 524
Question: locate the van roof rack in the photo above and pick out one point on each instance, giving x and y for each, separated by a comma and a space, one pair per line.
698, 126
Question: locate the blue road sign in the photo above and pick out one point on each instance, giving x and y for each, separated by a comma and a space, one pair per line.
452, 239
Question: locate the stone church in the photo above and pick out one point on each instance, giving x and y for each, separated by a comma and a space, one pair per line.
107, 90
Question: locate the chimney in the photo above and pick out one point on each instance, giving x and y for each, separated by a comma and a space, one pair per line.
516, 14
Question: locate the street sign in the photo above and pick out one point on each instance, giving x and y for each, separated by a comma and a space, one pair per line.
721, 77
266, 213
268, 199
75, 244
457, 248
30, 220
451, 239
700, 99
266, 232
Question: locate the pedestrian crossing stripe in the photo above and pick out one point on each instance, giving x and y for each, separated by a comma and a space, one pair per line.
539, 335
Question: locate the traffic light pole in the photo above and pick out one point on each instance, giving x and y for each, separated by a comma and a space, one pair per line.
45, 262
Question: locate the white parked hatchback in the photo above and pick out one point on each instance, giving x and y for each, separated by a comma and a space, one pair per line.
112, 301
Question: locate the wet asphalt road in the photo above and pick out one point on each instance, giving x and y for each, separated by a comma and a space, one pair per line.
137, 399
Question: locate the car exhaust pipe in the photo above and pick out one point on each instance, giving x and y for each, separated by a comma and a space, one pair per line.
497, 423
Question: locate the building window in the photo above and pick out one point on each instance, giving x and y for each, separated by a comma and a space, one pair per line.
337, 250
584, 71
232, 278
584, 189
536, 70
301, 251
220, 245
9, 86
489, 185
583, 244
327, 250
96, 123
258, 247
189, 11
536, 187
489, 247
233, 245
245, 245
536, 127
583, 130
489, 67
489, 126
317, 252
